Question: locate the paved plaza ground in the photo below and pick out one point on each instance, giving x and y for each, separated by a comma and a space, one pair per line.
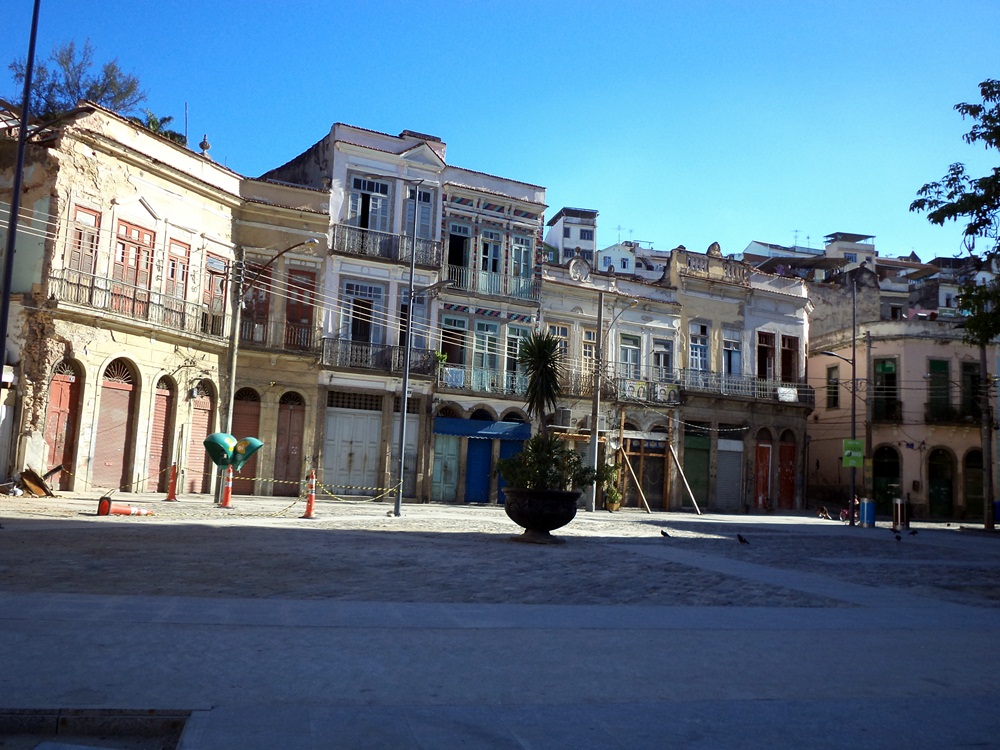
253, 628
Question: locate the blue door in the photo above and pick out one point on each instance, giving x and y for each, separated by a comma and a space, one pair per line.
477, 470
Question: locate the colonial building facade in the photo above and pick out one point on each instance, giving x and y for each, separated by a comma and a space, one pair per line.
120, 313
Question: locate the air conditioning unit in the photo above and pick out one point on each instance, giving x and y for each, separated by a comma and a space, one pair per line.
564, 417
602, 424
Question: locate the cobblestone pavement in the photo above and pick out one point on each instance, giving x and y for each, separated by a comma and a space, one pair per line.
356, 550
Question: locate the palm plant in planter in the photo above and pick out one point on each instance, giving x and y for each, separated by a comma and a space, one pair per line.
544, 480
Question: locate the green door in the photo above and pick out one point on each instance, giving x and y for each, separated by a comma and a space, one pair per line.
697, 451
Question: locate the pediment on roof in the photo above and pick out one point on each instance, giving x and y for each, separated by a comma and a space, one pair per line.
424, 155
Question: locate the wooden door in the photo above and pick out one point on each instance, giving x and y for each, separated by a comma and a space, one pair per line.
60, 424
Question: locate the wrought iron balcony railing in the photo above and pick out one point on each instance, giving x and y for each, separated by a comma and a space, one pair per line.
373, 244
943, 413
361, 355
67, 286
280, 335
481, 380
493, 284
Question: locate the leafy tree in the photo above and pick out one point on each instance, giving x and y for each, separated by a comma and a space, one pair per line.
975, 200
70, 76
158, 125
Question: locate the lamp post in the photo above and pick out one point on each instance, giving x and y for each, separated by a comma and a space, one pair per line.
240, 288
15, 198
405, 397
595, 405
853, 362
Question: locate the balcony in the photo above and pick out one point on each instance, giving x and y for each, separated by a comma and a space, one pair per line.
360, 355
943, 413
481, 380
887, 410
493, 284
369, 243
277, 335
133, 303
658, 385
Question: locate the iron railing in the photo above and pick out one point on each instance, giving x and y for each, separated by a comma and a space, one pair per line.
373, 244
67, 286
493, 284
361, 355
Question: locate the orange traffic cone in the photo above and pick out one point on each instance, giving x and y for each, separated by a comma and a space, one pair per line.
227, 489
311, 497
172, 487
107, 508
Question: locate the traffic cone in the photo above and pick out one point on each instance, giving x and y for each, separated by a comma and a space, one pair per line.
172, 486
311, 497
105, 507
227, 489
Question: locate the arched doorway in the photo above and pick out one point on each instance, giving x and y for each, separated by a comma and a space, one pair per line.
886, 478
246, 423
786, 470
113, 447
61, 422
161, 436
762, 471
199, 468
941, 483
288, 468
972, 491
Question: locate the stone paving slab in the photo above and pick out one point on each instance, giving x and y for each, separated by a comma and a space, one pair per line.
359, 629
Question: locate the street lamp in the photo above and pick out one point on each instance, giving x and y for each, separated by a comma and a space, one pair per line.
595, 406
15, 198
238, 295
404, 399
854, 416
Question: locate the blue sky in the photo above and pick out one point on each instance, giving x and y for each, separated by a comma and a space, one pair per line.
680, 122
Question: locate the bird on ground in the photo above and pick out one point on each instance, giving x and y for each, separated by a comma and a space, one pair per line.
664, 533
913, 533
898, 537
742, 539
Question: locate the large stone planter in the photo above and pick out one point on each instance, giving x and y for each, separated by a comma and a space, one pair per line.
539, 512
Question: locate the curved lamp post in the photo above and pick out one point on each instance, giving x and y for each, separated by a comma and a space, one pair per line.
240, 288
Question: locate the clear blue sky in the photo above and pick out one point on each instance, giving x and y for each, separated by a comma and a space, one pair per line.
681, 122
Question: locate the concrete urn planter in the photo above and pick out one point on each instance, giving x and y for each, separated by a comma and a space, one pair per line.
539, 512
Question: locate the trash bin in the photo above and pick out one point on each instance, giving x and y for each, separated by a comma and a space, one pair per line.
900, 517
867, 512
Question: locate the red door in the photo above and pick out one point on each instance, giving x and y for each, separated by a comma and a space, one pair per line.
199, 468
60, 424
288, 467
762, 476
160, 438
113, 442
786, 475
246, 423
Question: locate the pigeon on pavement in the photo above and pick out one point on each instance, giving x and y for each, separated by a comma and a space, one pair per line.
742, 539
898, 537
664, 533
913, 533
